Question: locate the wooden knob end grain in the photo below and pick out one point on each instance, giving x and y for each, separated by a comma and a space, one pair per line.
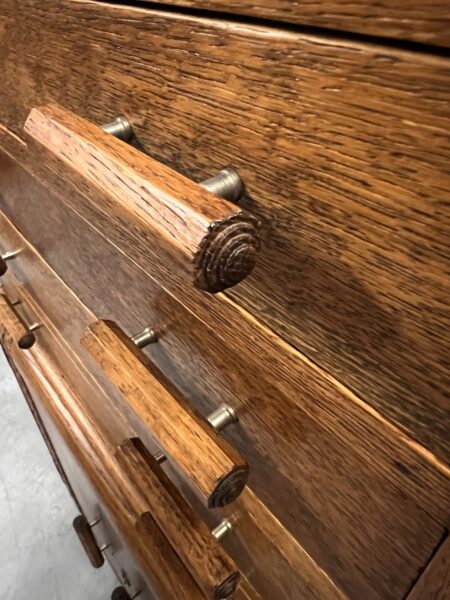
227, 254
120, 593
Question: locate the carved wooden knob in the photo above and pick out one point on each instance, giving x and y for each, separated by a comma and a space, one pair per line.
206, 239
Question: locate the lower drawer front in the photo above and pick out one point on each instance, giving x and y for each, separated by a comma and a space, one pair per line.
350, 501
87, 497
128, 572
86, 449
270, 560
343, 147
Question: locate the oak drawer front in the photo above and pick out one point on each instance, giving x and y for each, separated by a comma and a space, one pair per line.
89, 442
277, 568
414, 21
257, 539
354, 458
103, 503
33, 367
344, 162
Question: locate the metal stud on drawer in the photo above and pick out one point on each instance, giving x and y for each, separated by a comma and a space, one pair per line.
145, 337
22, 334
226, 184
6, 256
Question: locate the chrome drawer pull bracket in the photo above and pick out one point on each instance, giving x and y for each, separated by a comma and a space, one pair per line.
11, 254
23, 334
95, 522
222, 416
119, 128
226, 184
222, 529
145, 337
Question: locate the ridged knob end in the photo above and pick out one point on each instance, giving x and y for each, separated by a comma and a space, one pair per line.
229, 487
228, 253
227, 587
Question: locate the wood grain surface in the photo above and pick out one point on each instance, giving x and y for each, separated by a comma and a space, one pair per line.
309, 441
434, 583
209, 565
214, 242
414, 20
116, 551
276, 563
274, 560
92, 449
343, 148
266, 541
37, 417
215, 468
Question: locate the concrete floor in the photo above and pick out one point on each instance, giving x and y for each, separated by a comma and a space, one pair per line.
40, 555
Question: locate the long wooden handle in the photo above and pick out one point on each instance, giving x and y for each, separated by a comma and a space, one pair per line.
12, 328
216, 470
210, 566
215, 240
88, 541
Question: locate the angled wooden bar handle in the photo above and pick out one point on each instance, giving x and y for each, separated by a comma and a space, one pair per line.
210, 566
88, 541
213, 466
215, 239
12, 327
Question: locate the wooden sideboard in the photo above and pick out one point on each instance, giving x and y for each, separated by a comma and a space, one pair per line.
224, 240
